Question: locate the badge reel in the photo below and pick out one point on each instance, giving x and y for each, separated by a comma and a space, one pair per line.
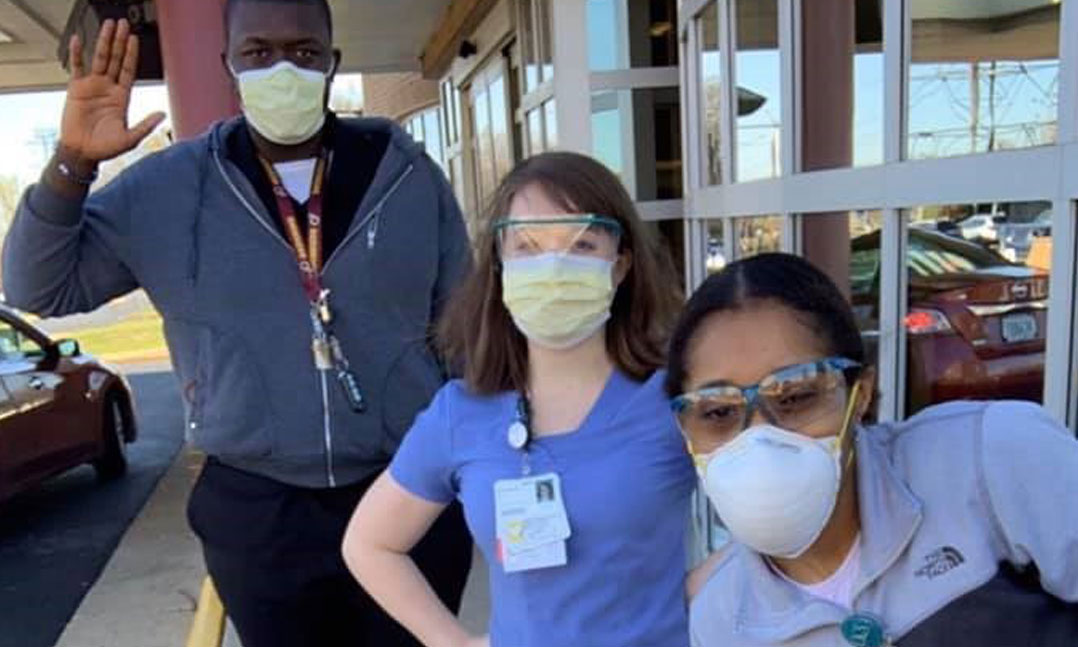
865, 630
532, 524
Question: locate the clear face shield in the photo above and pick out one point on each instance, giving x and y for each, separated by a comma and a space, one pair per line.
583, 235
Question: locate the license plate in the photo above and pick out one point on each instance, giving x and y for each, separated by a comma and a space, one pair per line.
1019, 328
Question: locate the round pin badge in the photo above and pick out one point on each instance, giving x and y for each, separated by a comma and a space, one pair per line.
518, 435
863, 630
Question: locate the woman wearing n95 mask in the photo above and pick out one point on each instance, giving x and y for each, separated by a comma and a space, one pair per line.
559, 441
957, 527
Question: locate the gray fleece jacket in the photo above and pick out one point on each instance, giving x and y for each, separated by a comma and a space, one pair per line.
187, 226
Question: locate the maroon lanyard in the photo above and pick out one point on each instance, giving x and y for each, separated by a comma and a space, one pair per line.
308, 253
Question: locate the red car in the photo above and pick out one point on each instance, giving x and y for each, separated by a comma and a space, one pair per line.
59, 408
975, 325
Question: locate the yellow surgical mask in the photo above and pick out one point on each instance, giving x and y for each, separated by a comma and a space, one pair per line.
284, 103
558, 300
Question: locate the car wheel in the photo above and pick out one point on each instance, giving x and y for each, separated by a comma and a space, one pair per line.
113, 463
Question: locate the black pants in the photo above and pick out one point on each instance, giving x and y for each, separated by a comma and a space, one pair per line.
274, 553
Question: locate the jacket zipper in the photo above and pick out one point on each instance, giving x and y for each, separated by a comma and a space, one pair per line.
327, 431
373, 217
372, 234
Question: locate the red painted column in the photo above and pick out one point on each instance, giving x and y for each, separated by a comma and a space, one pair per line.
827, 121
192, 40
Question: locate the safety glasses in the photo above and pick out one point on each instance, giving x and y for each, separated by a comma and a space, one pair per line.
792, 398
578, 234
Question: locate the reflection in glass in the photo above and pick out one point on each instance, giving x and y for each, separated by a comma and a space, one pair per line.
432, 136
550, 115
544, 27
983, 76
711, 91
624, 34
636, 133
533, 19
536, 144
499, 119
484, 149
864, 278
758, 235
868, 85
529, 45
715, 248
759, 100
976, 319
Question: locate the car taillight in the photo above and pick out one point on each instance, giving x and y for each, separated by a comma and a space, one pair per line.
926, 322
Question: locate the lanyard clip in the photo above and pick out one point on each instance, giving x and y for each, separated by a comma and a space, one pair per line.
325, 313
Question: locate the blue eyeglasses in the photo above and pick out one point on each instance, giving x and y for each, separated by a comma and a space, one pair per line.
792, 398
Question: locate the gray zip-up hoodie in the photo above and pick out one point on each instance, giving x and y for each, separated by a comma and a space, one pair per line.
969, 538
187, 226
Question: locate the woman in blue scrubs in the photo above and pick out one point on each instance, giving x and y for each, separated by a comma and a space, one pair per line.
558, 441
955, 528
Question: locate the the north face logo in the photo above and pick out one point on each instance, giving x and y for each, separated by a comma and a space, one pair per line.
939, 562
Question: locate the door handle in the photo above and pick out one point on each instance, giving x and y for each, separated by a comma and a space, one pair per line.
36, 383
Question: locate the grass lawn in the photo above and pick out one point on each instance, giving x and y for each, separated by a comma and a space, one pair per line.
137, 338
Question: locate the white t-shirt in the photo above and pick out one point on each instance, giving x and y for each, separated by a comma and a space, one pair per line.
296, 177
838, 588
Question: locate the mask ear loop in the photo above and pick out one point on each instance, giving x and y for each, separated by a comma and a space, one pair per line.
847, 424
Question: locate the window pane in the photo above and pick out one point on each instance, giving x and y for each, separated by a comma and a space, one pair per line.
14, 346
868, 86
546, 43
978, 302
758, 235
551, 118
759, 95
528, 39
864, 279
484, 148
715, 250
432, 132
711, 91
535, 132
624, 34
499, 119
637, 134
983, 77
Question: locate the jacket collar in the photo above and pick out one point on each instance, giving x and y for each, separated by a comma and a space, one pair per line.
772, 610
402, 153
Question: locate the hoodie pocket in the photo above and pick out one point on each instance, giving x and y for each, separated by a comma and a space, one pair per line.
224, 392
413, 379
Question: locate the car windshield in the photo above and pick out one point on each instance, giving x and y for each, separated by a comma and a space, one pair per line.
934, 255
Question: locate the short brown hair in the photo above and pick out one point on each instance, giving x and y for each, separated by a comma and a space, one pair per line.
477, 332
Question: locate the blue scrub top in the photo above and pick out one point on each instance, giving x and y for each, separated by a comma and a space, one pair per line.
626, 481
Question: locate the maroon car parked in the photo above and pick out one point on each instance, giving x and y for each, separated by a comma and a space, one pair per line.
975, 325
59, 408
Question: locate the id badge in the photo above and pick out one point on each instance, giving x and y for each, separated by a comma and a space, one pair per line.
531, 522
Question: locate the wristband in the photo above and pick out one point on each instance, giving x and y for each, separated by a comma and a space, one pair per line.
65, 170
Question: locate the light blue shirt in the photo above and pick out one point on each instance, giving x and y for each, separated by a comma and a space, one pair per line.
626, 481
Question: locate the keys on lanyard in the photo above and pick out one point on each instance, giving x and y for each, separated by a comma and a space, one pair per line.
325, 347
329, 355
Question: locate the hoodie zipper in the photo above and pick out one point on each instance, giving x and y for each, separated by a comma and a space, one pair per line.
372, 217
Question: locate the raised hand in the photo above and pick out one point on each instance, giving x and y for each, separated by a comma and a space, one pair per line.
94, 126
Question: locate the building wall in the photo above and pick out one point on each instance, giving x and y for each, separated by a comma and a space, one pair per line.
397, 95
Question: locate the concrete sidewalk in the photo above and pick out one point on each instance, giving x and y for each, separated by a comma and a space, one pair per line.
147, 594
